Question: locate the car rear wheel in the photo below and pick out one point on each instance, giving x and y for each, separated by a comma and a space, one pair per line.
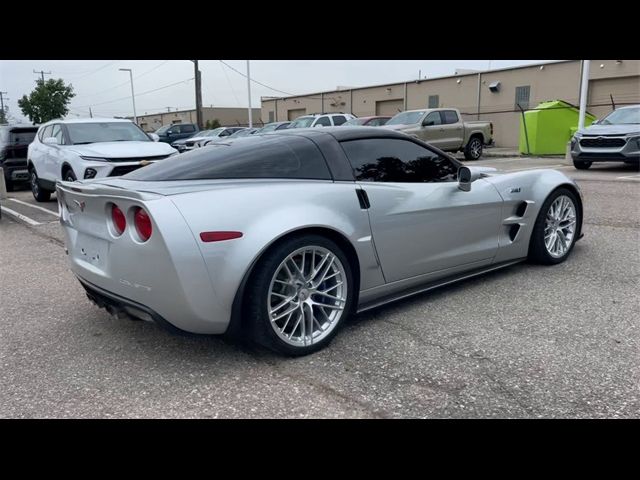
581, 165
39, 193
299, 295
556, 228
473, 150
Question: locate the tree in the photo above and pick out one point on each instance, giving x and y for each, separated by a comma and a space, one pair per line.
49, 100
211, 124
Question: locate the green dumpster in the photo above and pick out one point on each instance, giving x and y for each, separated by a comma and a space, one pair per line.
549, 127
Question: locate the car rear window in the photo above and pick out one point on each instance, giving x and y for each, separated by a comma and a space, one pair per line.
269, 156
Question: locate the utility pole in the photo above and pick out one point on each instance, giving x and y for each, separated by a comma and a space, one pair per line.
584, 89
133, 96
90, 113
198, 94
249, 92
169, 109
2, 114
42, 73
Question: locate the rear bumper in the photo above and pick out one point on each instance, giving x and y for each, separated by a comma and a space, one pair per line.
117, 305
15, 170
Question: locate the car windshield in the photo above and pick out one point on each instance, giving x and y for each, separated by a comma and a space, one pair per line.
162, 130
211, 133
406, 118
624, 116
243, 133
22, 136
105, 132
269, 127
356, 121
302, 122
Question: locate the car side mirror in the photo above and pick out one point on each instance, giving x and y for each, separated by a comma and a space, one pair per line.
318, 125
154, 137
50, 141
466, 176
427, 123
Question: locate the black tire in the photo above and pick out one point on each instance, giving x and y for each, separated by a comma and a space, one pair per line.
256, 297
473, 149
581, 164
69, 176
537, 250
9, 184
39, 193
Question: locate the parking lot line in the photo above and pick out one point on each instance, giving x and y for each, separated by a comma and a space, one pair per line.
24, 218
630, 177
35, 206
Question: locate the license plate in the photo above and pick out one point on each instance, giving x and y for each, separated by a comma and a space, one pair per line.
92, 250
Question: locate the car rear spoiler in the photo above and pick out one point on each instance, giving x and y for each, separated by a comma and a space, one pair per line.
100, 189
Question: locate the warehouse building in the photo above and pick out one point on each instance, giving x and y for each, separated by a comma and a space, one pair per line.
227, 117
492, 95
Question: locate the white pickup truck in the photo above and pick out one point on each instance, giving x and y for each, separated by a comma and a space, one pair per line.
444, 129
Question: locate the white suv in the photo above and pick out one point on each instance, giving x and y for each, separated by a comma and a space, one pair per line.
321, 120
88, 148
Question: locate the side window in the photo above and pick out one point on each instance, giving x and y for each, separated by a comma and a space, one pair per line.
449, 117
57, 133
339, 119
187, 129
46, 132
433, 119
397, 160
376, 122
324, 121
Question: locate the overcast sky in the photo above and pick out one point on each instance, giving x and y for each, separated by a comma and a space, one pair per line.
160, 84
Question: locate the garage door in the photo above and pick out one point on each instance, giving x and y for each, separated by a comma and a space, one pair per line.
293, 114
389, 107
623, 90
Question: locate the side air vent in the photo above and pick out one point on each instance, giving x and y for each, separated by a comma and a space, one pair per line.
513, 231
522, 208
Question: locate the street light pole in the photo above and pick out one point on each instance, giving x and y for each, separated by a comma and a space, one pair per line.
584, 89
249, 90
198, 79
133, 96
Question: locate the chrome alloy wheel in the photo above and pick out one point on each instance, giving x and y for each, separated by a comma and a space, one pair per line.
35, 188
475, 148
560, 226
307, 296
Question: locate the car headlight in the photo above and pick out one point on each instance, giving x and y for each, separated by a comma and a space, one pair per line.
94, 159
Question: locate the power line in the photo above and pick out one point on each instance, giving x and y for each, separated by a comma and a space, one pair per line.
229, 82
42, 73
97, 70
253, 80
123, 84
137, 95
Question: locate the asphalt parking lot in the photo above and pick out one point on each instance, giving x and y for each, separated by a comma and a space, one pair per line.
527, 341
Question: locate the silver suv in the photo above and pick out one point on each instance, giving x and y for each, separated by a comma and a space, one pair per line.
615, 138
321, 120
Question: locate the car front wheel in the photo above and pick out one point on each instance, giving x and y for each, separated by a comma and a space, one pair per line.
299, 295
473, 150
581, 165
556, 228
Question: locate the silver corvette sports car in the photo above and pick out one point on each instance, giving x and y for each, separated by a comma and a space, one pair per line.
280, 237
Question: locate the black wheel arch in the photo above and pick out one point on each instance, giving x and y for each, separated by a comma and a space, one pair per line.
235, 327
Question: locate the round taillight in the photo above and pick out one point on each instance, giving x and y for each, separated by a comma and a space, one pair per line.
143, 224
119, 220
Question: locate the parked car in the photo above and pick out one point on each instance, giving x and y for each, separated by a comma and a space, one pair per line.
321, 120
367, 121
200, 138
342, 220
223, 134
88, 148
14, 143
444, 129
171, 133
615, 138
273, 126
245, 132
